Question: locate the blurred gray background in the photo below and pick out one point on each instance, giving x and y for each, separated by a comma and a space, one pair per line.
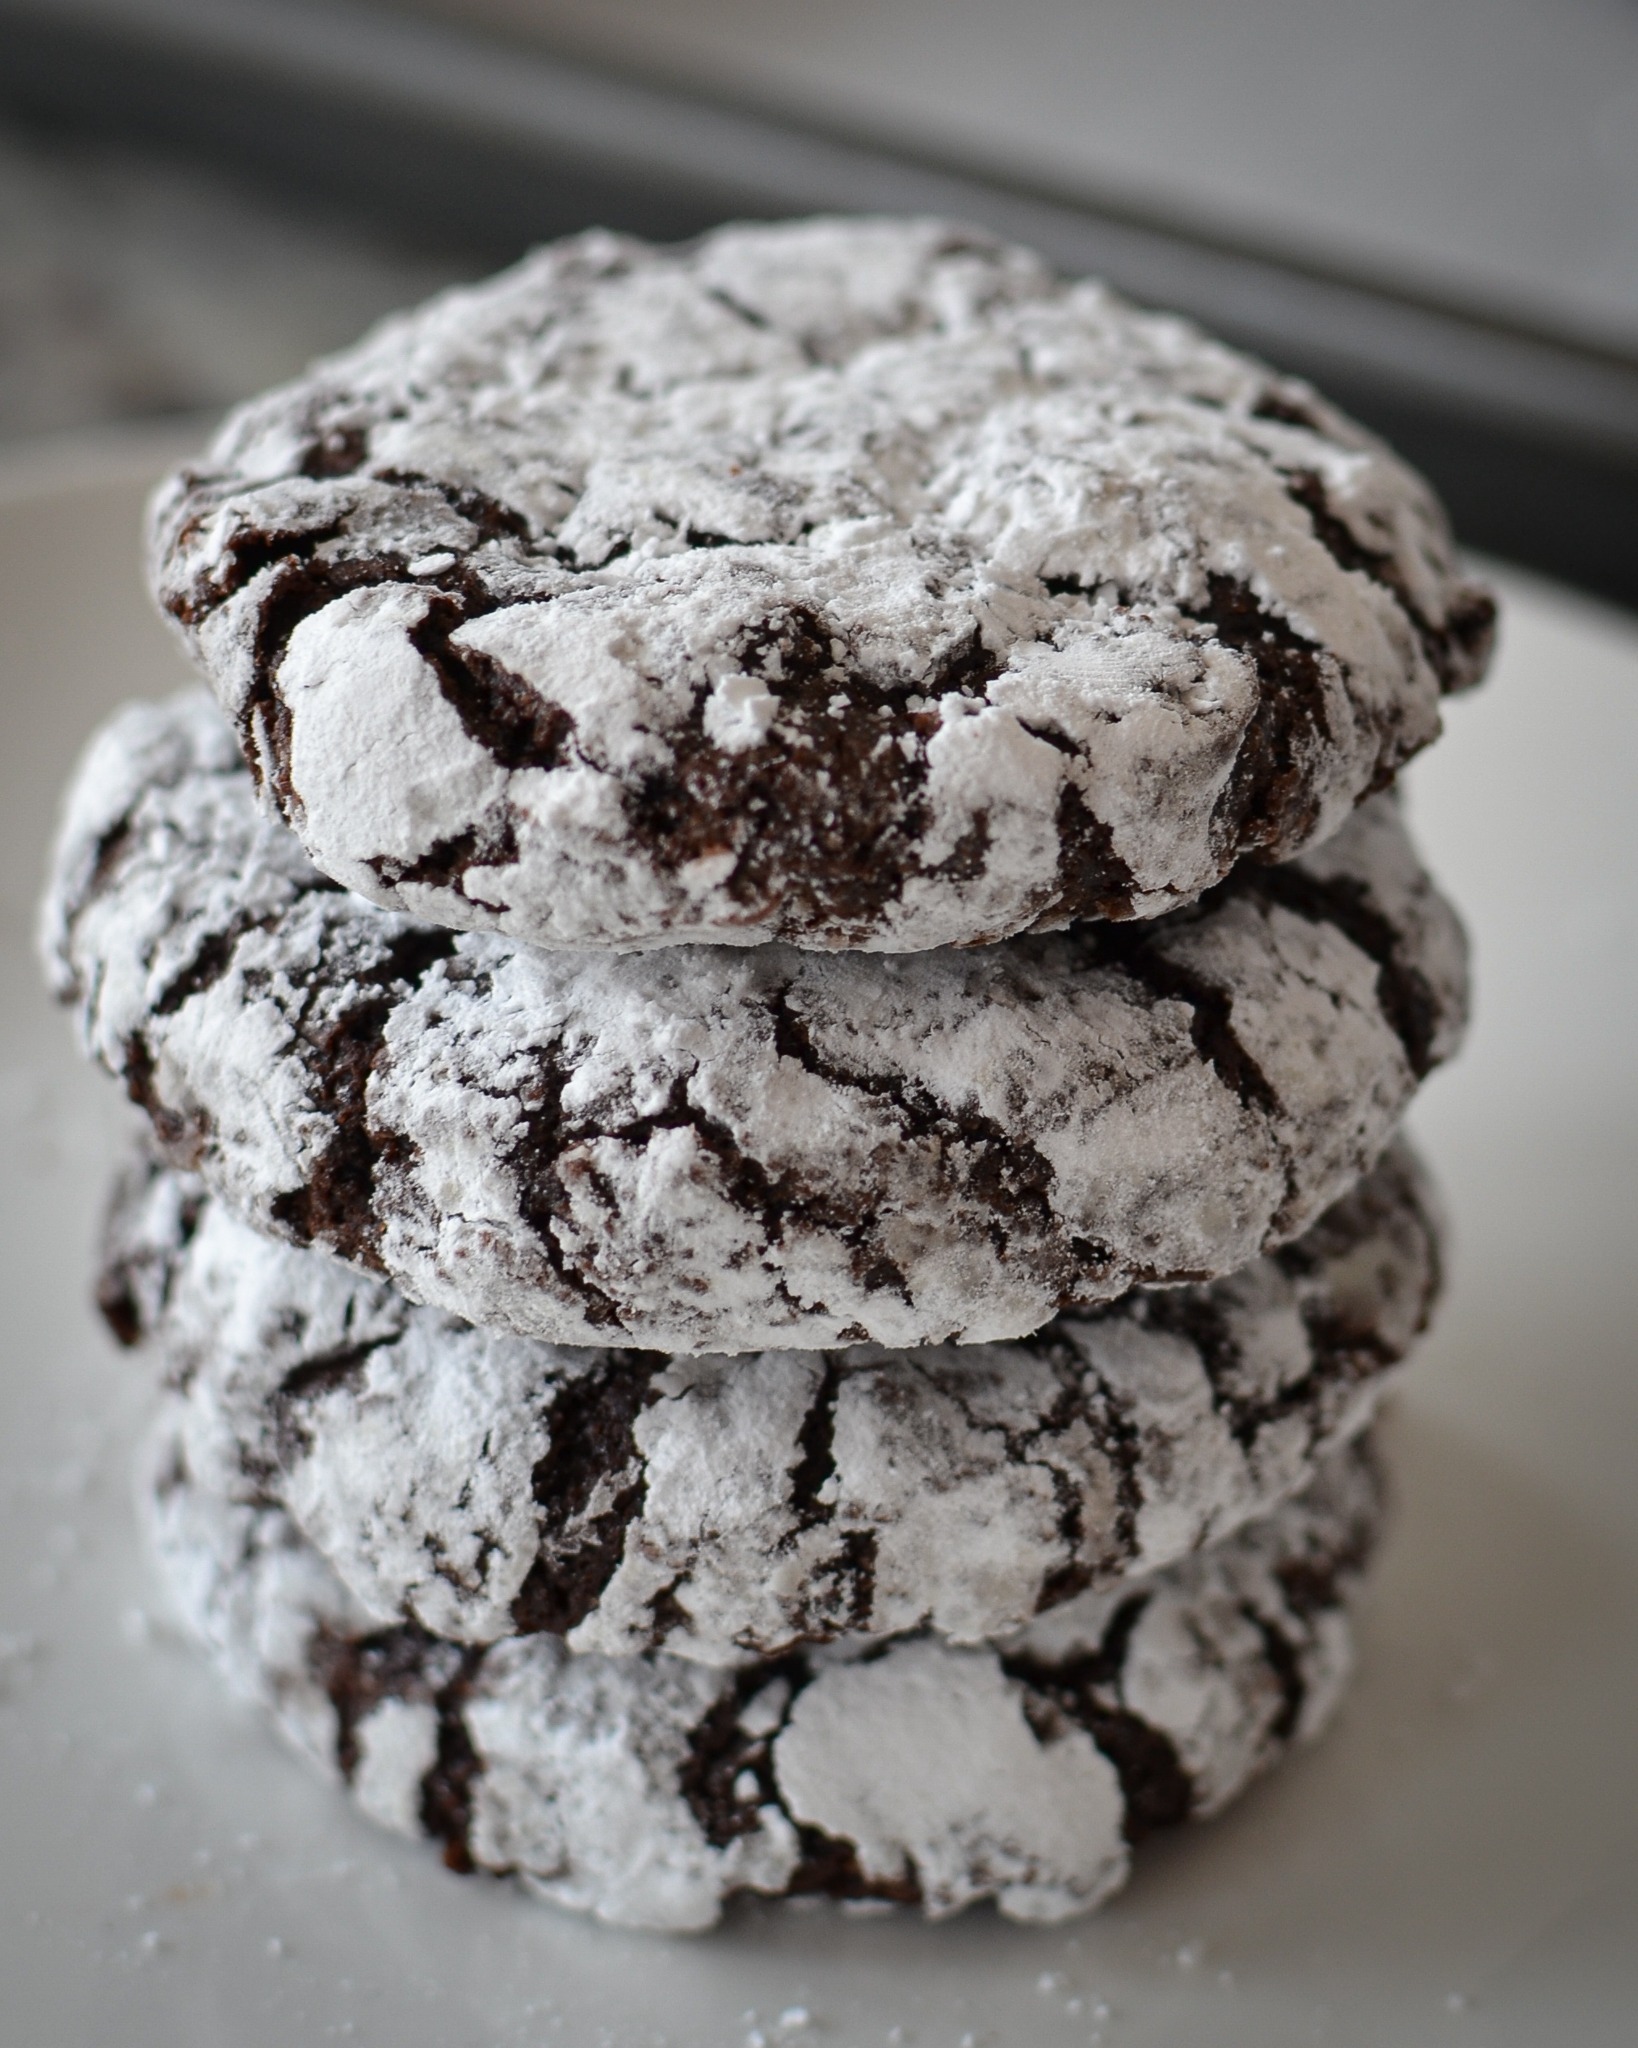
1429, 205
1481, 150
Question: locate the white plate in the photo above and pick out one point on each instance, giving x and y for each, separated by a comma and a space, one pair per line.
1457, 1862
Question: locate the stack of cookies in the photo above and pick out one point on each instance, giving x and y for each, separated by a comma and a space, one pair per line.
772, 999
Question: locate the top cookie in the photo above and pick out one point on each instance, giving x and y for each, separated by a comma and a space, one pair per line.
849, 583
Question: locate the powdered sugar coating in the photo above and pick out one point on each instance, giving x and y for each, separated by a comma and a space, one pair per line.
706, 1149
847, 582
484, 1486
648, 1789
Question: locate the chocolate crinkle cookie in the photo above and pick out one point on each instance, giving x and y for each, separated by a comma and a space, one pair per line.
484, 1486
852, 583
708, 1148
648, 1789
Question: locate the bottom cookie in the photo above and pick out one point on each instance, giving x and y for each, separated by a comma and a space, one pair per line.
647, 1790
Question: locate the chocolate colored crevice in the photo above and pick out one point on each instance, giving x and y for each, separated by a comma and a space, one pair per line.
119, 1307
135, 1274
341, 1366
303, 584
853, 1571
592, 1446
358, 1673
1459, 650
547, 1135
1082, 1692
817, 817
336, 1206
1211, 1012
303, 571
1012, 1175
778, 1199
1408, 1003
182, 1135
1283, 1660
498, 709
720, 1750
1267, 801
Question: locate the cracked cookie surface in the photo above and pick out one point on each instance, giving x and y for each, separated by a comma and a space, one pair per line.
850, 583
646, 1790
484, 1486
706, 1149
